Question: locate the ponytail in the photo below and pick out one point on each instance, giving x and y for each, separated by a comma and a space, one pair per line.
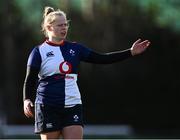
47, 10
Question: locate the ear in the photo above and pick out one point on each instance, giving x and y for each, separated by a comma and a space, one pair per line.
49, 28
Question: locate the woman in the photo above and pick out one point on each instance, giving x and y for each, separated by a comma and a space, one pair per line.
58, 106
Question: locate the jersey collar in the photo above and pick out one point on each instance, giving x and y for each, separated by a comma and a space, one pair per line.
61, 43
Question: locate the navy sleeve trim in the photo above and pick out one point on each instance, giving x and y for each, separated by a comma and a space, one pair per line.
34, 59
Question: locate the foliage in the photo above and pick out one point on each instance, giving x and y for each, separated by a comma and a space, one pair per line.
166, 13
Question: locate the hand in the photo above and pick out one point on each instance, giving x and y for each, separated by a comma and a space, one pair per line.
28, 105
139, 46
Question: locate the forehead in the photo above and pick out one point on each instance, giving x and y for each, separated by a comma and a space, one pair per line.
60, 19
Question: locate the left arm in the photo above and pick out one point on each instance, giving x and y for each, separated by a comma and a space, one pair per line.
138, 47
108, 58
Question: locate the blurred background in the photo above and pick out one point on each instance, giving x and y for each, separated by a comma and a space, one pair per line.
141, 93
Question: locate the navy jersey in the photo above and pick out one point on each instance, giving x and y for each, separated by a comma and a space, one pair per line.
58, 72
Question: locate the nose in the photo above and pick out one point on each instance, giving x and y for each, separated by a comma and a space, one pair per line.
64, 27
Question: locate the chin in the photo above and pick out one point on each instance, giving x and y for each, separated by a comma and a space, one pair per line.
64, 37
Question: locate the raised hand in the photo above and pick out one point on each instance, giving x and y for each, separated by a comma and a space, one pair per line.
139, 46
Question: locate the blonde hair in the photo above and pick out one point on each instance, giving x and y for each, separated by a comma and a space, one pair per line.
49, 17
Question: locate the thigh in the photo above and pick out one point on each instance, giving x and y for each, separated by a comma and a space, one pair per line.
47, 119
73, 132
73, 123
50, 135
73, 116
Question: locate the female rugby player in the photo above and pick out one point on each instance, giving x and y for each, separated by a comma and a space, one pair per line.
54, 63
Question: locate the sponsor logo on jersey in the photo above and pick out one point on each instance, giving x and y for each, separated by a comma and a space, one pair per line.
50, 54
63, 76
69, 77
65, 67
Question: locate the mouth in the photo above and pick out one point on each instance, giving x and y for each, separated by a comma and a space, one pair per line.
63, 33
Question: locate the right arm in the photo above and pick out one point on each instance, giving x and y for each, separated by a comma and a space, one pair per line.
29, 90
30, 82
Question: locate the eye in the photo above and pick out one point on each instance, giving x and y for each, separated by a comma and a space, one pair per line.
64, 24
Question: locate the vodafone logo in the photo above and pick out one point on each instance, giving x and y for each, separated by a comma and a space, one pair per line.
65, 67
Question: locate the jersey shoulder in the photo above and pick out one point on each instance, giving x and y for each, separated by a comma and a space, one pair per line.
74, 43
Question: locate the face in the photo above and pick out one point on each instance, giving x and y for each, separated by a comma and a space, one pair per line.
59, 28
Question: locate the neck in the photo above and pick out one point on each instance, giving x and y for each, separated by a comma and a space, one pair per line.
55, 40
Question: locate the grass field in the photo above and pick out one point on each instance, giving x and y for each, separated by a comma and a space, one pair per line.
90, 132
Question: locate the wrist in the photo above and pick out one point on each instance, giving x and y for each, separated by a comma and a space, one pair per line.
27, 100
132, 52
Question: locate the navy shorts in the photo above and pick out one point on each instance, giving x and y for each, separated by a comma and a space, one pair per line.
50, 118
